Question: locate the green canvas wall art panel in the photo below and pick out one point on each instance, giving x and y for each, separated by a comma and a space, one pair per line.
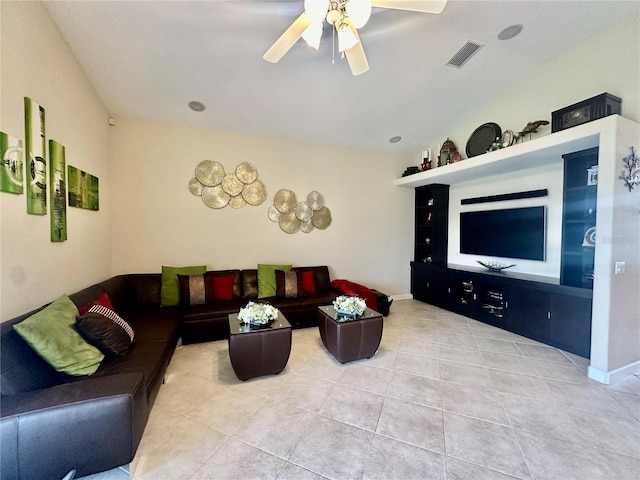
35, 148
83, 189
12, 167
58, 191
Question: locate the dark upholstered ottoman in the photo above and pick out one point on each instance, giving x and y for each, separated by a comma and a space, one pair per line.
259, 351
352, 339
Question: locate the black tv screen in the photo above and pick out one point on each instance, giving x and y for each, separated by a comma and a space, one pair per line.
510, 233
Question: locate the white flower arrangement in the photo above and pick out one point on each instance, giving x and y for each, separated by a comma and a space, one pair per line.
258, 313
349, 305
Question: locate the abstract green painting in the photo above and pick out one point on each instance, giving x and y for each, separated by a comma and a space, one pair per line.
58, 189
35, 154
12, 167
83, 189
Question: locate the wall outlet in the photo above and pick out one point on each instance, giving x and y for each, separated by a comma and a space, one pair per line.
620, 267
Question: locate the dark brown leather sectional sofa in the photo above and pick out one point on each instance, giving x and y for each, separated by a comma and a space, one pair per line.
52, 423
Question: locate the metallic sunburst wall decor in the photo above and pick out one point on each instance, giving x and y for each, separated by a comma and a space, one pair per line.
293, 215
219, 189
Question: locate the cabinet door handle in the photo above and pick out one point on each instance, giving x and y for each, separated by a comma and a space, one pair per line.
475, 297
548, 315
506, 304
427, 284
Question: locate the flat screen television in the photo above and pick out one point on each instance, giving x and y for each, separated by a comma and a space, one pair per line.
510, 233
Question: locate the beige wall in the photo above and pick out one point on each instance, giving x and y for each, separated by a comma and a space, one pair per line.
36, 63
609, 62
157, 221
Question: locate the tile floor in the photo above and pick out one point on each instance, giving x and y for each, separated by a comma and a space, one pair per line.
445, 397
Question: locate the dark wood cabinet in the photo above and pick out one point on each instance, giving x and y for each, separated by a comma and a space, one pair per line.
431, 224
570, 323
429, 284
579, 218
530, 306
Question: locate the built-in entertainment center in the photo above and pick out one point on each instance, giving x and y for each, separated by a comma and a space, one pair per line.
530, 305
571, 298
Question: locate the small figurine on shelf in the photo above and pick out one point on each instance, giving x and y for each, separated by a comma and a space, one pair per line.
446, 151
426, 162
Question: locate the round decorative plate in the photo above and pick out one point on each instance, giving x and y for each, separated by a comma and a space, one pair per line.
315, 200
195, 187
246, 173
255, 193
232, 185
285, 201
210, 173
589, 238
237, 202
322, 218
289, 223
215, 197
274, 214
482, 138
307, 226
303, 212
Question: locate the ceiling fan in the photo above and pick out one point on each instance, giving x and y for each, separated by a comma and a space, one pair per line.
345, 16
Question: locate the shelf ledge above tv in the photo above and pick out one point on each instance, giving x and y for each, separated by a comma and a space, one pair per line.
534, 153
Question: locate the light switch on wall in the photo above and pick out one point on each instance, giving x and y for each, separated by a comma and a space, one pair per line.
619, 268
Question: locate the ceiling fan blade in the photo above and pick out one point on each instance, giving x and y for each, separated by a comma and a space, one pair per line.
290, 36
355, 56
424, 6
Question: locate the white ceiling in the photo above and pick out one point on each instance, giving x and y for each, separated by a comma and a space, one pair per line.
148, 59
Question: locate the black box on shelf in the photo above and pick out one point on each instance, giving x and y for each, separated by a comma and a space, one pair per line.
585, 111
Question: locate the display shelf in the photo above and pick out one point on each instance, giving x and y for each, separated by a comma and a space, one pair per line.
431, 224
578, 219
538, 152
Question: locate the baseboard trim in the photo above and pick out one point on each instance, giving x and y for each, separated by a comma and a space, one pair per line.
614, 375
403, 296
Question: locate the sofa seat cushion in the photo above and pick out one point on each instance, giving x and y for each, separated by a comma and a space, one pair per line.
218, 309
155, 324
319, 299
150, 359
282, 303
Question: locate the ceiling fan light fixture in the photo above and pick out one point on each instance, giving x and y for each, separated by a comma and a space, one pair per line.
346, 38
313, 34
359, 12
316, 10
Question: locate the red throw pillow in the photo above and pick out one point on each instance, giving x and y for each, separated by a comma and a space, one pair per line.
223, 287
103, 300
308, 281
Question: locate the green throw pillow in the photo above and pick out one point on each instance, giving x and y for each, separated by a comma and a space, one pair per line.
51, 334
170, 289
267, 279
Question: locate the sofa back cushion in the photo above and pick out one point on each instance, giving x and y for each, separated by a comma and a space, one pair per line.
250, 280
320, 276
51, 333
21, 368
250, 284
144, 290
221, 277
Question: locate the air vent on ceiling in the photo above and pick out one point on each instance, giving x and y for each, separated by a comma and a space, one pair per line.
464, 54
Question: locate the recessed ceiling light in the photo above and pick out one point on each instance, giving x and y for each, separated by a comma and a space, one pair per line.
197, 106
395, 139
510, 32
